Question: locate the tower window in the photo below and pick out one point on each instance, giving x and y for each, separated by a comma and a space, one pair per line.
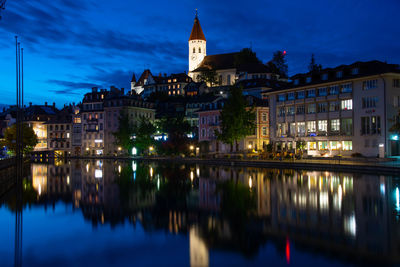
194, 50
199, 49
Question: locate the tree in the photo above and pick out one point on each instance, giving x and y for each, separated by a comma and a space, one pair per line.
246, 56
278, 64
144, 135
29, 138
123, 136
209, 76
237, 120
177, 129
314, 67
396, 124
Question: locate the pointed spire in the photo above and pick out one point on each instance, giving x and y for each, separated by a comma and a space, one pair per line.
197, 32
133, 80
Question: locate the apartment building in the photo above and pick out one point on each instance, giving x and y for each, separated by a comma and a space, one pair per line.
92, 119
117, 104
338, 111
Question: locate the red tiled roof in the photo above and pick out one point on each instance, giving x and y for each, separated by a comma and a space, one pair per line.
197, 32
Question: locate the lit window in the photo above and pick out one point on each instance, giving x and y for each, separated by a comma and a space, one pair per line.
347, 104
323, 145
322, 125
312, 145
347, 145
335, 125
334, 145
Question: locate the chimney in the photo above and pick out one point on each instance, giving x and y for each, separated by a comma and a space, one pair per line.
30, 104
160, 75
45, 103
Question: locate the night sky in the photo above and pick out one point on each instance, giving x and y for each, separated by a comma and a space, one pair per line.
72, 45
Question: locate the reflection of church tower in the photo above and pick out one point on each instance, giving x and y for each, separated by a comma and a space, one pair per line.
197, 45
198, 249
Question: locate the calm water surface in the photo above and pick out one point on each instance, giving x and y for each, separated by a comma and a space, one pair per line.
128, 213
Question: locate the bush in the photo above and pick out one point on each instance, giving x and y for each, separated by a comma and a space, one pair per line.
357, 155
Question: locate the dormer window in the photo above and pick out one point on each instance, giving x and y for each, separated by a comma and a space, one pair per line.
354, 71
324, 76
308, 79
339, 74
296, 82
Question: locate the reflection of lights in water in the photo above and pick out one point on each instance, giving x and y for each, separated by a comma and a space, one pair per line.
134, 166
350, 225
119, 168
250, 182
382, 187
68, 179
98, 173
40, 189
287, 251
198, 171
324, 200
158, 183
191, 176
87, 167
151, 171
397, 199
134, 176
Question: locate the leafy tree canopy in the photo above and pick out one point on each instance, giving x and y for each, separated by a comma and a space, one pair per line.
123, 136
29, 138
246, 56
278, 64
144, 133
313, 67
237, 120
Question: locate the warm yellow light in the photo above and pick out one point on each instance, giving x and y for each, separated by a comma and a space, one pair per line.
119, 148
151, 148
191, 147
249, 146
250, 182
119, 168
191, 175
151, 171
87, 149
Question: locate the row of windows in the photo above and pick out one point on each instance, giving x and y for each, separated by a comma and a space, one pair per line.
59, 135
59, 127
91, 116
325, 76
210, 120
90, 127
95, 136
194, 49
323, 91
369, 102
312, 108
312, 128
331, 145
59, 144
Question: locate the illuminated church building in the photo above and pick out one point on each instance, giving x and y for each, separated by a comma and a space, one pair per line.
224, 64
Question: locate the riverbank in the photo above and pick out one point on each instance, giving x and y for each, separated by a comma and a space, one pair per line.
364, 165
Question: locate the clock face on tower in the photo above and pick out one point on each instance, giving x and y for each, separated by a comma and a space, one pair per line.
194, 57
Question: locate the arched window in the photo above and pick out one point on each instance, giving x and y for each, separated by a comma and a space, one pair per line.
199, 49
194, 50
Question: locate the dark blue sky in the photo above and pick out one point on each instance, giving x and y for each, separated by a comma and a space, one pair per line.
72, 45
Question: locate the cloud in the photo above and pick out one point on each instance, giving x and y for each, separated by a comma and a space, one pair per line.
71, 88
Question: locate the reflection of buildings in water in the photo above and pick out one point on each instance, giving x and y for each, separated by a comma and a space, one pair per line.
312, 200
198, 249
39, 178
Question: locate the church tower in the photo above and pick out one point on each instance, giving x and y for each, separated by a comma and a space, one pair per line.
197, 45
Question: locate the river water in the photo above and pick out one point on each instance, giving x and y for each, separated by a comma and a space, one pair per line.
130, 213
